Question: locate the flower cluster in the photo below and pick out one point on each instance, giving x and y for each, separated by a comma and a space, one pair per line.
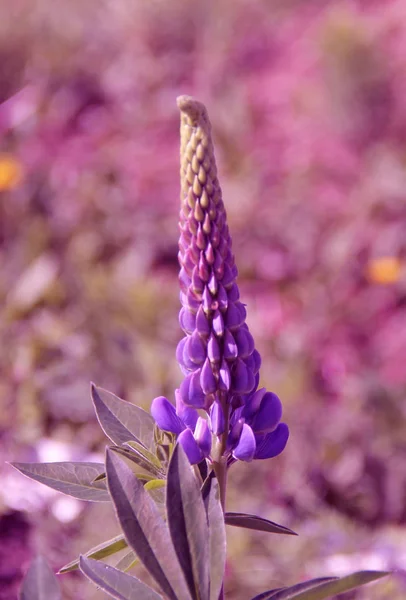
217, 355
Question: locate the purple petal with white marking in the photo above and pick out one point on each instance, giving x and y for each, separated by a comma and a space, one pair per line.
246, 446
207, 379
213, 349
230, 346
202, 436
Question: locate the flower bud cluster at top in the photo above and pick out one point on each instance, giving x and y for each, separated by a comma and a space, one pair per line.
217, 355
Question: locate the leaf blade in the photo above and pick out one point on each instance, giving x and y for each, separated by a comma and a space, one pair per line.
217, 538
103, 550
144, 528
40, 582
71, 478
317, 589
117, 584
255, 523
187, 523
122, 421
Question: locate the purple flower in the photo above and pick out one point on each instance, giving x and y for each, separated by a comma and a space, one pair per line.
217, 355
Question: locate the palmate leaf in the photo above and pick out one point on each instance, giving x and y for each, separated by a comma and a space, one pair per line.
187, 523
256, 523
144, 529
122, 421
98, 552
321, 589
217, 538
72, 478
40, 582
117, 584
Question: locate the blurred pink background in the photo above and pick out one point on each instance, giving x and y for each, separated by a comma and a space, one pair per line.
307, 101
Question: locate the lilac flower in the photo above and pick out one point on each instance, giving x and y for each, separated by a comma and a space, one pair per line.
217, 355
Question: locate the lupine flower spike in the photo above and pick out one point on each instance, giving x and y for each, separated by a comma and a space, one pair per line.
217, 356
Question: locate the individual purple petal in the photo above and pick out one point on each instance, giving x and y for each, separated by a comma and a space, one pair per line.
213, 284
243, 378
184, 280
165, 415
218, 323
224, 376
204, 269
195, 349
236, 425
257, 358
202, 436
244, 341
268, 415
233, 293
188, 415
253, 403
207, 379
209, 253
197, 283
228, 276
246, 446
191, 391
190, 447
182, 356
217, 420
202, 323
191, 300
273, 443
207, 300
187, 320
235, 316
222, 298
213, 349
230, 347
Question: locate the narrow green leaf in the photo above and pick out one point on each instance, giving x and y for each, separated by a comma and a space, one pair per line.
40, 582
71, 478
98, 552
217, 538
144, 528
122, 421
139, 460
256, 523
117, 584
187, 522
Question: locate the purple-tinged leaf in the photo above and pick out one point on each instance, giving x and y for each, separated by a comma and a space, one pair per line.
217, 538
40, 582
122, 421
323, 588
247, 521
98, 552
117, 584
188, 523
72, 478
300, 587
144, 528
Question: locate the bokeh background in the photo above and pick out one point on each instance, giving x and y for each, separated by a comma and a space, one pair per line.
308, 105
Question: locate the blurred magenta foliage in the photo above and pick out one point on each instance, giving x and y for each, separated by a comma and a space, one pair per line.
307, 101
